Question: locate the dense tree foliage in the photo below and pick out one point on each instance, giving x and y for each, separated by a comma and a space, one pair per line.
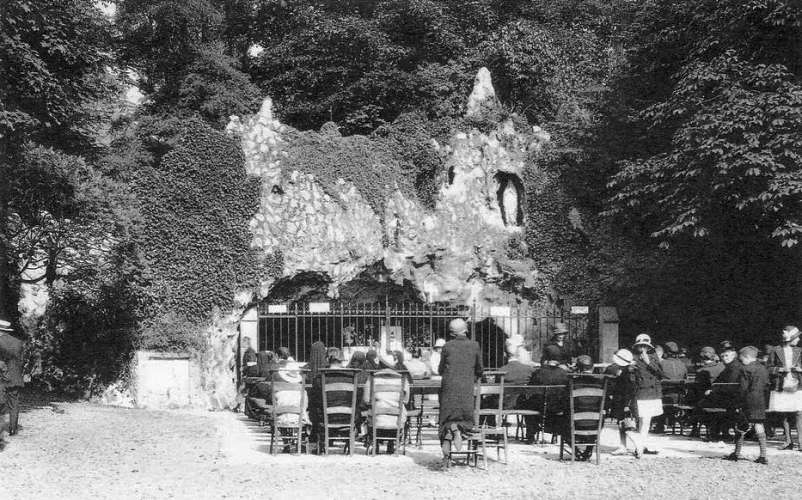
671, 187
54, 84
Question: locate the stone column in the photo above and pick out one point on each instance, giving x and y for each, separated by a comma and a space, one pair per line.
608, 332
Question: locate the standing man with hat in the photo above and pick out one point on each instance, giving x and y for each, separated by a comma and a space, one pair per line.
11, 352
460, 366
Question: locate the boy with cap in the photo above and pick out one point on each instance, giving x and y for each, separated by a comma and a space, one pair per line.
754, 384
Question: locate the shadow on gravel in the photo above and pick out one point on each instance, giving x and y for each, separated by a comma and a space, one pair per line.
31, 399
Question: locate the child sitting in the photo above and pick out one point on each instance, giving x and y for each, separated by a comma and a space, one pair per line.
754, 381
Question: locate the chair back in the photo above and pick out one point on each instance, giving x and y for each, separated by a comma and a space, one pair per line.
387, 385
586, 399
489, 397
339, 394
285, 405
673, 391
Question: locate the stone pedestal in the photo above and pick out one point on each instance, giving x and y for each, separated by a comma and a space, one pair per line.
166, 380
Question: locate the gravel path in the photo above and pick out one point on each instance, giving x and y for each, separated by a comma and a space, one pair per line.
81, 450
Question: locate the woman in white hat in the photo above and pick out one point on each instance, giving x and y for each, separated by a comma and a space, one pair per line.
648, 392
785, 367
621, 391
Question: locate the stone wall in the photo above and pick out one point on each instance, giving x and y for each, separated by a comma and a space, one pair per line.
462, 251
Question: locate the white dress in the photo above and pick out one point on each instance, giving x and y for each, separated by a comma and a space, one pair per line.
786, 401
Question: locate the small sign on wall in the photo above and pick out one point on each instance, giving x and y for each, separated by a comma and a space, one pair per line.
319, 307
277, 308
580, 309
500, 311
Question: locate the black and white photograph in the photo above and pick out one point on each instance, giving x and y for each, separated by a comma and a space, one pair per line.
400, 249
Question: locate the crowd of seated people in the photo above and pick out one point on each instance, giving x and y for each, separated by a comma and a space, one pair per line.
716, 382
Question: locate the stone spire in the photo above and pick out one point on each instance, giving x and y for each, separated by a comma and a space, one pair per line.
483, 94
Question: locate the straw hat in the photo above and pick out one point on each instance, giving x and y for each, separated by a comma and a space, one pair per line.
5, 326
790, 333
560, 329
623, 357
644, 339
440, 342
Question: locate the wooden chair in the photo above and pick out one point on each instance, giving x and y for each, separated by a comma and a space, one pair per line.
673, 397
489, 428
339, 394
586, 396
294, 434
520, 414
387, 385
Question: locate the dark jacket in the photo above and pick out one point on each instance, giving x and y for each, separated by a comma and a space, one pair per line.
777, 363
674, 369
619, 390
516, 373
11, 351
566, 352
725, 396
706, 374
460, 366
754, 380
556, 399
250, 366
646, 378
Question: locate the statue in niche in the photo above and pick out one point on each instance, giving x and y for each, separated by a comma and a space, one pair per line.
510, 198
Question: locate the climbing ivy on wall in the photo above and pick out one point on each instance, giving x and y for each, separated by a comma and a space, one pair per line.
375, 167
196, 204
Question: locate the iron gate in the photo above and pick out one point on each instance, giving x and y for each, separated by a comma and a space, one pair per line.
416, 326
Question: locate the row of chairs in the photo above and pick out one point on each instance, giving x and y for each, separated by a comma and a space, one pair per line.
386, 423
339, 391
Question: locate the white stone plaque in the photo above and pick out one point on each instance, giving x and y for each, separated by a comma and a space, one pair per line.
500, 311
277, 308
319, 307
580, 309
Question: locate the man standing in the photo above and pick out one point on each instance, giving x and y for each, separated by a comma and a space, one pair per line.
11, 353
249, 360
460, 366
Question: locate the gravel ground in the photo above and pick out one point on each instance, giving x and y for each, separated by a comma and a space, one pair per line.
81, 450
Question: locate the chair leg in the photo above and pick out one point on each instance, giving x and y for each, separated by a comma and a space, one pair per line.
506, 460
562, 446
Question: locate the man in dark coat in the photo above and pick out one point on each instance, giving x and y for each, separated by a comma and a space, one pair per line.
460, 366
11, 351
555, 399
754, 384
249, 360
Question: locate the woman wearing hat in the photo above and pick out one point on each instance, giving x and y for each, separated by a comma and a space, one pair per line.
785, 365
621, 394
648, 392
558, 339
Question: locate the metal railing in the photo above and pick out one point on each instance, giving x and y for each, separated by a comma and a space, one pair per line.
412, 326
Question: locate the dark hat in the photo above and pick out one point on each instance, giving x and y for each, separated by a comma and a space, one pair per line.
708, 353
584, 362
671, 347
552, 353
726, 345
